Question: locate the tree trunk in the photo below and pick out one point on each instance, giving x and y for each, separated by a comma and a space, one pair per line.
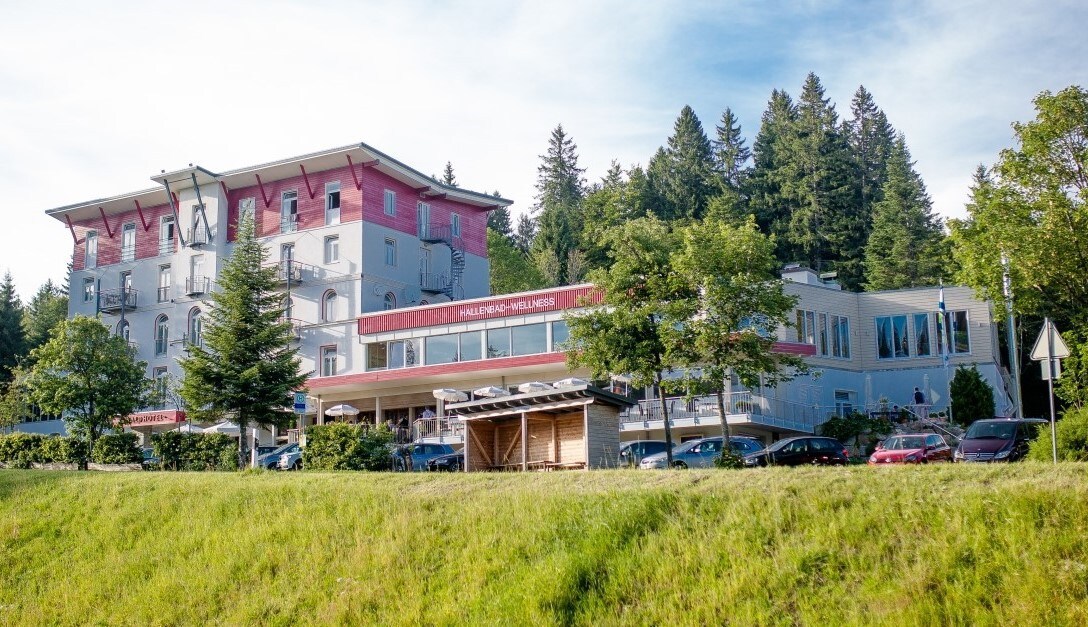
725, 423
242, 461
665, 416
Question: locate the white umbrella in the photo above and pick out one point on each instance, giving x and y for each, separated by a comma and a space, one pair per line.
342, 410
491, 392
570, 382
450, 395
226, 428
534, 386
189, 428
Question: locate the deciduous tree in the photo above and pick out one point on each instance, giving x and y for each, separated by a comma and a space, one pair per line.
511, 270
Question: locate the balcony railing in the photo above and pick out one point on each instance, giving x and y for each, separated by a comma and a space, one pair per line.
163, 294
296, 328
437, 427
435, 232
196, 285
167, 246
116, 299
198, 236
436, 283
288, 271
744, 406
289, 224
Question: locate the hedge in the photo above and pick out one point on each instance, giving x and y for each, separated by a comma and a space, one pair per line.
117, 448
19, 450
340, 446
195, 451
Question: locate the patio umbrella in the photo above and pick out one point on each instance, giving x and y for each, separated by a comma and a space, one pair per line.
450, 395
491, 392
534, 386
189, 428
226, 428
342, 410
570, 382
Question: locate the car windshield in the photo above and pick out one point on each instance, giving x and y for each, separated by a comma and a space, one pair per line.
685, 447
281, 450
743, 446
904, 442
991, 431
777, 446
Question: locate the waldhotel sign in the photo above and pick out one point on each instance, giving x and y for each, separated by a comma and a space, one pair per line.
478, 309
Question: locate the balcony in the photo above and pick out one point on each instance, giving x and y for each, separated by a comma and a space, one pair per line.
438, 430
197, 285
167, 246
163, 294
288, 272
198, 236
742, 408
117, 299
434, 283
435, 233
296, 328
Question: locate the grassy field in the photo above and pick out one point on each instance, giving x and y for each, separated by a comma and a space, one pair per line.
904, 546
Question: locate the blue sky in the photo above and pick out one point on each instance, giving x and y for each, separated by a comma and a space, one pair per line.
95, 98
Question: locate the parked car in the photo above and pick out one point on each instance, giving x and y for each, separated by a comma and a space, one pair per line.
912, 448
700, 453
997, 440
450, 462
631, 453
815, 450
420, 453
291, 459
271, 459
150, 460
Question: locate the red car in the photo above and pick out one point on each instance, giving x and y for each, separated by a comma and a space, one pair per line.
912, 448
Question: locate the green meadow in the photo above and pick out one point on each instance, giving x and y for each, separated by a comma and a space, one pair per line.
978, 545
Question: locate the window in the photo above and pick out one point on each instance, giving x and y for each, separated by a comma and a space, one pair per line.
196, 327
891, 337
845, 400
806, 327
390, 252
164, 284
166, 235
88, 290
840, 337
90, 258
440, 349
498, 343
328, 361
332, 249
158, 375
328, 306
162, 334
390, 202
128, 242
953, 327
196, 268
289, 212
123, 329
198, 234
560, 335
529, 339
391, 355
423, 219
247, 211
332, 202
455, 225
921, 335
821, 334
390, 301
472, 345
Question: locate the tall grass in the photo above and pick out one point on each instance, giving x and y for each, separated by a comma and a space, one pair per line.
932, 545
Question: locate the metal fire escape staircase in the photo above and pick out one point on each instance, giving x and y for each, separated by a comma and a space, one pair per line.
442, 283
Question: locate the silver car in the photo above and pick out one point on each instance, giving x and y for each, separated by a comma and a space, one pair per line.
701, 453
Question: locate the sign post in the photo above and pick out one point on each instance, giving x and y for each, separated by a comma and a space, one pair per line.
1051, 348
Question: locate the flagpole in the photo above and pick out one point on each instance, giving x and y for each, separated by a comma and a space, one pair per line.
942, 331
1010, 328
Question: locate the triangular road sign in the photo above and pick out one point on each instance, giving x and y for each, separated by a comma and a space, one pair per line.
1050, 344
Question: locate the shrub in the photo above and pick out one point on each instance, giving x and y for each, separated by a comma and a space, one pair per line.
61, 451
729, 460
20, 448
1072, 432
340, 446
195, 451
850, 428
117, 448
972, 397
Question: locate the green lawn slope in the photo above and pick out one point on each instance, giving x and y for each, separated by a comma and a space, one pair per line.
903, 546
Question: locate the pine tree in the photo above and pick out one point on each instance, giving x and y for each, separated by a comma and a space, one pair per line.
688, 178
560, 191
246, 369
730, 154
763, 186
12, 337
906, 246
46, 309
447, 176
825, 228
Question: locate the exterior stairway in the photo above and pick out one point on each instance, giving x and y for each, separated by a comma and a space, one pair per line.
450, 285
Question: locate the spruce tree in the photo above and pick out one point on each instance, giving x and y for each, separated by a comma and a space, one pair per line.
12, 337
447, 175
763, 186
906, 246
246, 369
560, 190
872, 140
45, 310
499, 220
730, 154
525, 234
688, 176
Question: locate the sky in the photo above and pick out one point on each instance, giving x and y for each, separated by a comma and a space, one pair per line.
97, 97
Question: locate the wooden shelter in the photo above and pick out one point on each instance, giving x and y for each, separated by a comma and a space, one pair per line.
567, 428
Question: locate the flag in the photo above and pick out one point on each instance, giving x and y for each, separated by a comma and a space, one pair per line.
942, 338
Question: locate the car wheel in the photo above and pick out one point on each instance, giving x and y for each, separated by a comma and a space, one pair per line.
680, 465
297, 465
